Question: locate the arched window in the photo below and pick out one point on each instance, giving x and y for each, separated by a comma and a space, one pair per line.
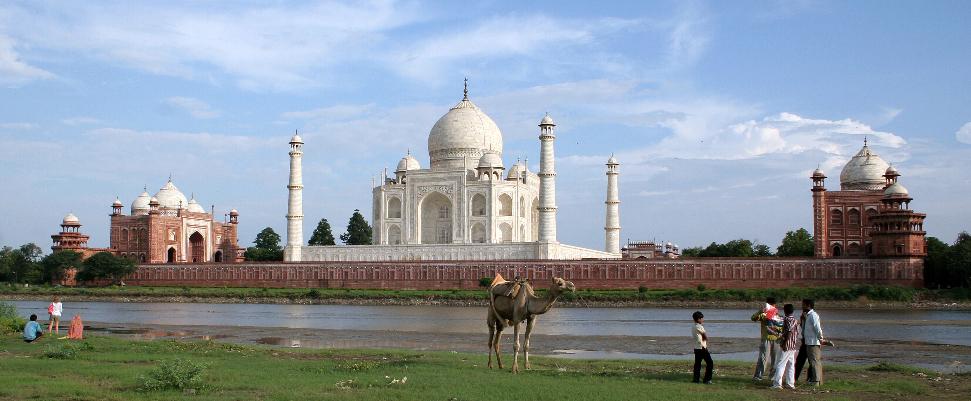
853, 216
836, 217
837, 250
217, 257
124, 236
505, 205
143, 258
853, 249
170, 257
478, 205
505, 232
522, 207
478, 233
394, 235
394, 208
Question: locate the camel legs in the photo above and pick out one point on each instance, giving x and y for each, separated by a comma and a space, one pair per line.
515, 358
494, 344
492, 340
529, 329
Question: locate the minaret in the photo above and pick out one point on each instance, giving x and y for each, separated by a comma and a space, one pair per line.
820, 215
547, 181
295, 208
612, 225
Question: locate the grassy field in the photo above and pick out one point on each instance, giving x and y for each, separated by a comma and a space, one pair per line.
102, 369
871, 293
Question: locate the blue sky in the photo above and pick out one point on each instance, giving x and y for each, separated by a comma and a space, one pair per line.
718, 111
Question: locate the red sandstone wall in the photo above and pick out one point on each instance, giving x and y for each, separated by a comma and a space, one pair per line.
601, 274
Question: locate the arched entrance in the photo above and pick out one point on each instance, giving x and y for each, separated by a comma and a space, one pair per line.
170, 257
436, 219
197, 248
217, 257
837, 251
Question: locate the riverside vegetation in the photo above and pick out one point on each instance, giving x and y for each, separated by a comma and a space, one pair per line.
104, 369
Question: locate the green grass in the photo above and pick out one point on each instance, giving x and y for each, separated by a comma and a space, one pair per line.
107, 369
865, 292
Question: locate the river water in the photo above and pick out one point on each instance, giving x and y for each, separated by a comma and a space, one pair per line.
916, 336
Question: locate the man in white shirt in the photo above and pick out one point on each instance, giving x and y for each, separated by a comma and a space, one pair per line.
701, 348
812, 337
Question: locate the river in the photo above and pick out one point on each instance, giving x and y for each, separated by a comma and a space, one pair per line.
936, 339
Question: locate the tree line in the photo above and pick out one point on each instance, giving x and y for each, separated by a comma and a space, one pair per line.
795, 243
267, 246
27, 265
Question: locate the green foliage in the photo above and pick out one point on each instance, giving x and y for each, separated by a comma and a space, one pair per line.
66, 350
53, 265
701, 288
21, 265
739, 248
322, 234
485, 281
761, 250
104, 265
358, 230
10, 321
948, 266
313, 294
796, 243
176, 374
267, 247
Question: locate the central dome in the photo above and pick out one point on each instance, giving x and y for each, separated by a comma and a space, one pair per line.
864, 171
465, 131
169, 197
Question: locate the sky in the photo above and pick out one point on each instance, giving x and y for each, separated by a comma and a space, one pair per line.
717, 111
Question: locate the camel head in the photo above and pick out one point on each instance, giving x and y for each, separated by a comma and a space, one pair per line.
560, 285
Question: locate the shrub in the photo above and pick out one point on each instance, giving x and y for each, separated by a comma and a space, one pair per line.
66, 350
642, 289
701, 288
313, 294
10, 321
177, 374
485, 282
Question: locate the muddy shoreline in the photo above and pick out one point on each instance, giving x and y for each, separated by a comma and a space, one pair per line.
580, 303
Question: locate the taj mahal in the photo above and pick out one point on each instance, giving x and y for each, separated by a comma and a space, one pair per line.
465, 206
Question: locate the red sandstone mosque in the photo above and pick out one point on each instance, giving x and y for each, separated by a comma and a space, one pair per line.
870, 216
164, 228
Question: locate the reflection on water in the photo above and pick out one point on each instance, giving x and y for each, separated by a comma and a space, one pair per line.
940, 327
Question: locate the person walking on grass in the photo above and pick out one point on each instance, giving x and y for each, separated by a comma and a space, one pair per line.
32, 330
701, 348
55, 309
768, 348
789, 344
812, 337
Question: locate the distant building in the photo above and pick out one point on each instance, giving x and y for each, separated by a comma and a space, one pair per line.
165, 228
650, 250
869, 216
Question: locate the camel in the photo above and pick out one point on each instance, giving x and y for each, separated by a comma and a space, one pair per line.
510, 303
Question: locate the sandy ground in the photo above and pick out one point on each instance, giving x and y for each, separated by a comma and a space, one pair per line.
946, 358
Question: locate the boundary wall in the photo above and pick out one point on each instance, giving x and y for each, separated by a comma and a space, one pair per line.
586, 274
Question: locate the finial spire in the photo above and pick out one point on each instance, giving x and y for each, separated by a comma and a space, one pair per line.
170, 176
864, 140
465, 91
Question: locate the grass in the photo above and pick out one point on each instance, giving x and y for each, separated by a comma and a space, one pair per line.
108, 369
864, 292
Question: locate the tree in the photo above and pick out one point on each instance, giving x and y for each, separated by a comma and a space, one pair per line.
104, 265
21, 265
322, 234
267, 246
948, 266
936, 264
53, 265
797, 243
358, 230
762, 250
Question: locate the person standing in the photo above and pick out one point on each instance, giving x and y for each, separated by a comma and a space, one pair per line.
701, 348
788, 343
55, 310
768, 348
812, 335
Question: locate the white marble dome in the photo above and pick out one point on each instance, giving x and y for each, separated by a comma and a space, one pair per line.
296, 139
864, 171
408, 163
140, 205
70, 220
490, 160
516, 171
465, 131
169, 197
194, 206
896, 190
547, 120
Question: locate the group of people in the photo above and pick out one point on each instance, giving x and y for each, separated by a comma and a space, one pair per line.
33, 330
788, 344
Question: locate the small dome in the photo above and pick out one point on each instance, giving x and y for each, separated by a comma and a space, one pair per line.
169, 197
296, 139
140, 205
117, 203
547, 120
234, 212
408, 163
490, 160
516, 171
818, 173
864, 171
71, 220
891, 171
896, 190
612, 161
153, 201
194, 206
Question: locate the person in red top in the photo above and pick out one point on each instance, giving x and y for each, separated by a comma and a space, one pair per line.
789, 344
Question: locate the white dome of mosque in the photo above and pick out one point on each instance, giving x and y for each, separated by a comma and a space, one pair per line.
408, 163
516, 171
864, 171
140, 204
70, 219
169, 197
464, 131
296, 139
891, 170
612, 160
896, 189
490, 160
547, 120
194, 206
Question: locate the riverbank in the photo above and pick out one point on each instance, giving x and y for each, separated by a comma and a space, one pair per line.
102, 368
861, 297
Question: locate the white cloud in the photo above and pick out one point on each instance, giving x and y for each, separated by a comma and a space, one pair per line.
688, 38
18, 126
338, 112
80, 121
14, 71
964, 133
195, 107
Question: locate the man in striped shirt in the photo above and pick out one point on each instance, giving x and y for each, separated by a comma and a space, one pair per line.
789, 343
